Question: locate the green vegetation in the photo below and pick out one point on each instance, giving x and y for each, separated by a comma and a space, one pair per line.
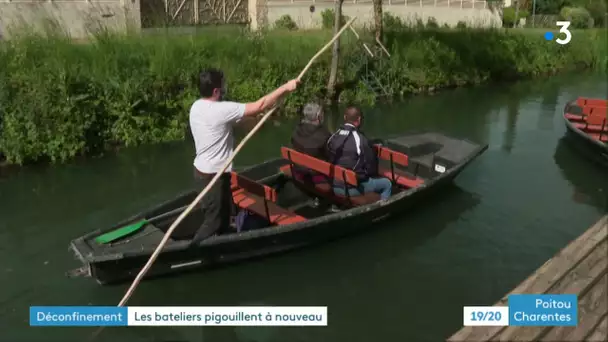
578, 16
328, 17
582, 13
59, 99
285, 23
508, 16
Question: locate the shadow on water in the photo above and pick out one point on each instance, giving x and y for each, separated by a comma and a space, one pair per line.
589, 181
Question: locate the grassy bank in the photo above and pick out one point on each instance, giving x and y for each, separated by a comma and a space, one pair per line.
59, 99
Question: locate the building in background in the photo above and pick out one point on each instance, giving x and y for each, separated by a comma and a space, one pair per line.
79, 18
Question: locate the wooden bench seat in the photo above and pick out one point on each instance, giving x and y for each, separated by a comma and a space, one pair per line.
603, 137
325, 190
260, 199
276, 214
335, 172
574, 117
401, 178
342, 175
600, 111
593, 124
241, 182
398, 177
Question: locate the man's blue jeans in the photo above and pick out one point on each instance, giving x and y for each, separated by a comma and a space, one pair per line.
382, 186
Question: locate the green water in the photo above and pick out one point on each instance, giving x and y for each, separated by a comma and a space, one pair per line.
525, 198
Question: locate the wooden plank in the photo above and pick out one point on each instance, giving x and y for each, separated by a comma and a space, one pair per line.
542, 280
600, 332
591, 308
578, 281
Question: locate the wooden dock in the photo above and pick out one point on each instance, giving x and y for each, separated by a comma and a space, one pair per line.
580, 268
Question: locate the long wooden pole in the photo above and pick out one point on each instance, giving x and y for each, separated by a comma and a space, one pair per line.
154, 255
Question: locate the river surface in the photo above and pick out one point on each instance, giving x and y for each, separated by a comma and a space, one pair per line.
524, 199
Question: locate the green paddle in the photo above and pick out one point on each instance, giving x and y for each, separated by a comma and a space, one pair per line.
127, 230
120, 232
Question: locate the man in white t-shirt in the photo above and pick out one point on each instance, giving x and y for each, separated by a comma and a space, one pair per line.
211, 121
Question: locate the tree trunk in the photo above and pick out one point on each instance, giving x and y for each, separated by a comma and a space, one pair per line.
516, 23
333, 72
378, 18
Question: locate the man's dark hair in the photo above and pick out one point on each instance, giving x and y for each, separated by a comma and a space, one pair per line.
351, 114
208, 80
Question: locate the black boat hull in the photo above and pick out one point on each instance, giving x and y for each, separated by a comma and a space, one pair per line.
594, 150
231, 248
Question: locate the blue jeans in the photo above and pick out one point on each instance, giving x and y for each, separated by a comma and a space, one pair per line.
382, 186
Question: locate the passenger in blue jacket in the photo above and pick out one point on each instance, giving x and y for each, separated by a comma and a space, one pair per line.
349, 148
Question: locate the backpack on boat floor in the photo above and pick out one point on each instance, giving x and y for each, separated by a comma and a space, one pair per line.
246, 220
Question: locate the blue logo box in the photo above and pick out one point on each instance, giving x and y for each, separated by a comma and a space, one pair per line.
545, 310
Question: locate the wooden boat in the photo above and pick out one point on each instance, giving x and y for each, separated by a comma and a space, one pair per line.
300, 213
587, 124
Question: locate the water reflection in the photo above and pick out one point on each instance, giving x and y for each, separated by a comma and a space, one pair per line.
589, 182
511, 125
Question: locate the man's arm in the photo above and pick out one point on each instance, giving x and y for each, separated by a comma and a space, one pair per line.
239, 113
268, 101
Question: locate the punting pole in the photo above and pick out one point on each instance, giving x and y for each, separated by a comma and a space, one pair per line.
185, 213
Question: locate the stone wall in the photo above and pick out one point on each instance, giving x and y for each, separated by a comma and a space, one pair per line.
78, 18
474, 13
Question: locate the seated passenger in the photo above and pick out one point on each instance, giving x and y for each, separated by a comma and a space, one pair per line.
350, 149
310, 137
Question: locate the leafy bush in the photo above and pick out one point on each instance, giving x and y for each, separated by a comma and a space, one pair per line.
461, 24
431, 22
391, 22
578, 16
598, 10
286, 23
508, 16
327, 18
59, 99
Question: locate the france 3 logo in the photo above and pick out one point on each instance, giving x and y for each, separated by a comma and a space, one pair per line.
563, 25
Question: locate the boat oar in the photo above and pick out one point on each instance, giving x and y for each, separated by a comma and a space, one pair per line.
129, 229
216, 177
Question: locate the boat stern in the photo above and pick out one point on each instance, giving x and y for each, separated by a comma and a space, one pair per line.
85, 269
434, 154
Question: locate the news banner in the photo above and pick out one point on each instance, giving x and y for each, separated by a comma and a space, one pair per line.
522, 310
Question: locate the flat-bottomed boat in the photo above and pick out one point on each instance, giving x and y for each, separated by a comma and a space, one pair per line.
295, 212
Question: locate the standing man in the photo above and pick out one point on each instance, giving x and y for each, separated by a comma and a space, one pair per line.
211, 121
